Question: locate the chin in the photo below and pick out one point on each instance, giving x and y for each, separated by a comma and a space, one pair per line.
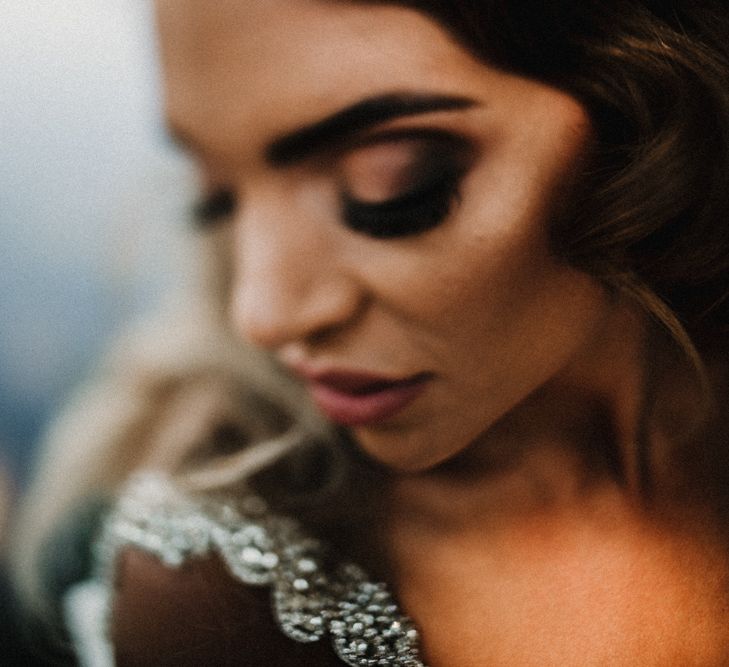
400, 452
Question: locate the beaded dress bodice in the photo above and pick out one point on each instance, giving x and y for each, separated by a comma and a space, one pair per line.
312, 598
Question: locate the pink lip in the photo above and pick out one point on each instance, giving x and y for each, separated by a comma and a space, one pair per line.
357, 399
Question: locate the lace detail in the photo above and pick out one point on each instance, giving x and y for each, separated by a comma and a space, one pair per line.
310, 600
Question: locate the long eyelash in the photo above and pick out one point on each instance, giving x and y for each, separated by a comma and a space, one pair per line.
409, 214
214, 208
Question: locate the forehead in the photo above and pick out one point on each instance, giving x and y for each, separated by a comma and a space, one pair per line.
255, 68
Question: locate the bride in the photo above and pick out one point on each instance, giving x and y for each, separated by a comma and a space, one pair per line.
486, 244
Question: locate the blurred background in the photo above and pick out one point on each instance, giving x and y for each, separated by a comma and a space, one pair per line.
93, 202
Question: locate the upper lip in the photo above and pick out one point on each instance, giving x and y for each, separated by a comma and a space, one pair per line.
354, 382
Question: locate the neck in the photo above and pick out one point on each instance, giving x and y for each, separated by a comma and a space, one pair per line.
572, 437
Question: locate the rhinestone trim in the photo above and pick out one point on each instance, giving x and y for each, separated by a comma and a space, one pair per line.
310, 601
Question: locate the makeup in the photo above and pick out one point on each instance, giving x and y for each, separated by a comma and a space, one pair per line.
358, 399
403, 183
411, 213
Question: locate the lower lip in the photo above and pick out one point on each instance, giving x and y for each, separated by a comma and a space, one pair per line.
370, 408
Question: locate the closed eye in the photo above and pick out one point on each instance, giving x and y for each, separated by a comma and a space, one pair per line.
412, 213
405, 187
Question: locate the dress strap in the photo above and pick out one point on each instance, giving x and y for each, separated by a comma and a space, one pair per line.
312, 599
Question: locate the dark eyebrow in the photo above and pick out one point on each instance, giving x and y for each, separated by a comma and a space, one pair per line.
342, 125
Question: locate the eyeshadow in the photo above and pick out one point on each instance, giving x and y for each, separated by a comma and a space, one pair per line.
434, 180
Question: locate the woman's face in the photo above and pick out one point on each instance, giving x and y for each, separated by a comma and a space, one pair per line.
388, 198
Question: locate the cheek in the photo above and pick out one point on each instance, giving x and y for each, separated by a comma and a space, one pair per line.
516, 312
490, 264
494, 248
494, 321
464, 285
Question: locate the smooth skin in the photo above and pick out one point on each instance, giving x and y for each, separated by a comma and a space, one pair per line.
506, 547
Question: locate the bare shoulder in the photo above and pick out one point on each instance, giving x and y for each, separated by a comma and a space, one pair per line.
570, 590
197, 614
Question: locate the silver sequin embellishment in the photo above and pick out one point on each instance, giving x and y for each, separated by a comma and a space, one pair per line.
309, 602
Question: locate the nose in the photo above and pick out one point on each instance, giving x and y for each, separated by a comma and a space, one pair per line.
289, 284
